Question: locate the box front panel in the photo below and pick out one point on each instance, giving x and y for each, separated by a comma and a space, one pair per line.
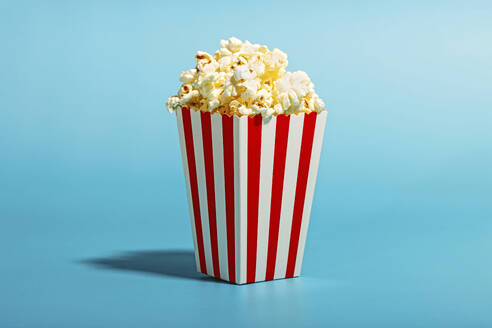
250, 184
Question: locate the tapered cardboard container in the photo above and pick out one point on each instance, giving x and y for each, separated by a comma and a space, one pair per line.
250, 184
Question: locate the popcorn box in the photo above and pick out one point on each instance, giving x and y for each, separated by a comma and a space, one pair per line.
250, 184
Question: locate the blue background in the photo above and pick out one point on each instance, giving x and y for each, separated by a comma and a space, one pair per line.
94, 222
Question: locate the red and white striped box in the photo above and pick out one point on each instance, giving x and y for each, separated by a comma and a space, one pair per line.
250, 184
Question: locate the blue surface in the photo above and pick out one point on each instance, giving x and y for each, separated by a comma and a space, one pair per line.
94, 228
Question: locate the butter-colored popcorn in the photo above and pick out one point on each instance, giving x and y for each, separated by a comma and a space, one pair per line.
242, 72
188, 76
243, 110
242, 78
278, 109
172, 103
251, 88
257, 66
233, 44
264, 97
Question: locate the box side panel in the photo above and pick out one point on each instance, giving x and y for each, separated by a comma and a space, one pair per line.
182, 143
265, 193
288, 193
278, 173
218, 158
300, 193
311, 183
229, 171
202, 188
240, 184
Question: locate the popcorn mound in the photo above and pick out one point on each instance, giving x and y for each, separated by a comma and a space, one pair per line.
245, 79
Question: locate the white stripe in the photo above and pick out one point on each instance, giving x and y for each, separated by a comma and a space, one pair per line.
266, 173
218, 149
202, 187
288, 195
311, 182
182, 143
240, 188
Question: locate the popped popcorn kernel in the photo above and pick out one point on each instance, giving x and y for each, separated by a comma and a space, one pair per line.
243, 78
188, 76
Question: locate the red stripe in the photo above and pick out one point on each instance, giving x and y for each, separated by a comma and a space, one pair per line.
302, 177
190, 153
209, 176
254, 154
281, 135
228, 140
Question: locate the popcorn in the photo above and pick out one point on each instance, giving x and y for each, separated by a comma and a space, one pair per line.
243, 110
242, 78
188, 76
172, 103
203, 58
242, 73
225, 63
222, 52
264, 97
251, 87
233, 44
258, 67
